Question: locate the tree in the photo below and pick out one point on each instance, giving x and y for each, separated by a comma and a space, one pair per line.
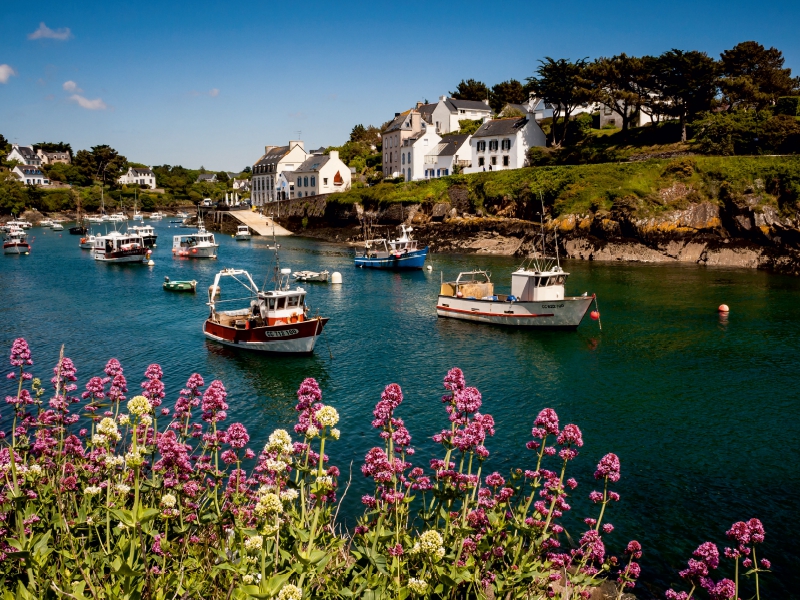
507, 92
5, 146
369, 135
649, 85
689, 83
247, 169
222, 177
562, 84
754, 77
614, 81
471, 90
54, 147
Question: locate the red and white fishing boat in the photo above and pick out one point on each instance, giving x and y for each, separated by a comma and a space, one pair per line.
273, 321
16, 242
119, 247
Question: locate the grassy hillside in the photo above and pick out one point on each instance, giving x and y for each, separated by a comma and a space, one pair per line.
646, 187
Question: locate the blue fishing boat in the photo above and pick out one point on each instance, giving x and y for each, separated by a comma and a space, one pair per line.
401, 253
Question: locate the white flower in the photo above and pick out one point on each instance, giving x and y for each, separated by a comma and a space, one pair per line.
134, 459
312, 432
253, 543
327, 416
325, 481
418, 586
290, 592
92, 490
289, 495
335, 433
279, 441
108, 428
271, 527
122, 488
89, 521
168, 501
35, 470
277, 466
139, 405
248, 579
146, 420
430, 543
268, 503
122, 526
124, 420
99, 439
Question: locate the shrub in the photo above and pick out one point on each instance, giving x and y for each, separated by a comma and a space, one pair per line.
788, 105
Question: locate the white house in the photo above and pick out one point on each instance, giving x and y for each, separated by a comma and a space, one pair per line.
501, 144
445, 114
241, 185
413, 151
403, 126
50, 158
321, 174
451, 152
30, 175
24, 155
139, 176
264, 184
207, 178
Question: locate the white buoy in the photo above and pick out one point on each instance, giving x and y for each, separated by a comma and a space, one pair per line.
430, 268
336, 277
150, 262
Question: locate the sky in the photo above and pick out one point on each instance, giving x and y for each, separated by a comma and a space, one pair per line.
211, 83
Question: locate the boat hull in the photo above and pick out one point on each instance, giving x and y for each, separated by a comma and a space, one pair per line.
557, 314
410, 260
242, 237
180, 286
196, 252
14, 248
291, 338
150, 240
122, 256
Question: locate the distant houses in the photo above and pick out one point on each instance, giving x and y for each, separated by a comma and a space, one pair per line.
451, 153
321, 174
266, 183
139, 176
51, 158
30, 175
207, 178
25, 155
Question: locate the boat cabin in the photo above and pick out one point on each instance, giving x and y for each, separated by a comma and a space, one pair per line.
243, 229
383, 248
469, 284
116, 241
190, 240
535, 286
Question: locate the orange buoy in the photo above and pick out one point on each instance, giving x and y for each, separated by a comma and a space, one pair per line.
595, 315
723, 308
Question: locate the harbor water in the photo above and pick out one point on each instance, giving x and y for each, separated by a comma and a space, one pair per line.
702, 410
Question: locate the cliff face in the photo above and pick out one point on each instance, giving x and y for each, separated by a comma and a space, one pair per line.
734, 231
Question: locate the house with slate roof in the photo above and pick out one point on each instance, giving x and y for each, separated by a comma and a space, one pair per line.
320, 174
24, 155
452, 151
403, 126
502, 144
51, 158
265, 184
30, 175
139, 176
207, 178
445, 114
413, 151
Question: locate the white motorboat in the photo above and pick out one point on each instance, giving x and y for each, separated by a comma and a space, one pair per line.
195, 245
57, 227
117, 217
19, 223
120, 248
96, 218
536, 300
148, 233
16, 241
156, 216
87, 243
242, 232
182, 215
46, 223
311, 276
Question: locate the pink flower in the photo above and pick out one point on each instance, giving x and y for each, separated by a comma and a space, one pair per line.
467, 400
634, 548
20, 353
213, 404
756, 531
571, 435
546, 423
237, 436
454, 380
608, 467
495, 480
725, 589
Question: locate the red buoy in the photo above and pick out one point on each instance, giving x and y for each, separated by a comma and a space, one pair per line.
595, 315
723, 308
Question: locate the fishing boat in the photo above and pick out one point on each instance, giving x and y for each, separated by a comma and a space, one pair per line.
87, 243
242, 232
148, 233
46, 223
120, 248
117, 217
156, 216
272, 321
401, 253
179, 286
19, 224
311, 276
57, 227
80, 223
195, 245
16, 242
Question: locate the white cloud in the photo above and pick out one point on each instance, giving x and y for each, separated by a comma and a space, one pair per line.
44, 32
71, 86
6, 72
96, 104
214, 92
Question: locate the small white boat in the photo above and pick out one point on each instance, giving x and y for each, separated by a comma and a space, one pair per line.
46, 223
195, 245
117, 217
182, 215
96, 218
156, 216
242, 232
148, 233
87, 243
120, 248
536, 300
19, 224
311, 276
57, 227
16, 242
137, 216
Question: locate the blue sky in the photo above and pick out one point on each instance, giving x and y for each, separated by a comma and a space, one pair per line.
211, 83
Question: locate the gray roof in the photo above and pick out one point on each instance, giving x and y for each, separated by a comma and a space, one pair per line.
26, 151
206, 176
501, 127
399, 122
449, 145
453, 104
426, 110
313, 163
520, 107
273, 156
140, 171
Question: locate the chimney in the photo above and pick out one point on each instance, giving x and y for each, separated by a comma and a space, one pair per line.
419, 104
442, 98
268, 148
415, 121
334, 155
296, 143
486, 101
396, 115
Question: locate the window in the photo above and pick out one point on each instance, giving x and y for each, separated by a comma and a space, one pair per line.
480, 161
305, 181
445, 172
481, 146
324, 181
281, 302
607, 110
292, 301
494, 160
403, 159
313, 181
506, 144
505, 161
493, 146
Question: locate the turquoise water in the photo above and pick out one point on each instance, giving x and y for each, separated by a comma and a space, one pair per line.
702, 412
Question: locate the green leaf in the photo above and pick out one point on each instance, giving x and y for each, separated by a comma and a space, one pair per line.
275, 583
148, 514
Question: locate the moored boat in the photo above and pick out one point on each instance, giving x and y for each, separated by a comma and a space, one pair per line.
19, 224
46, 223
242, 232
156, 216
537, 299
120, 248
195, 245
401, 253
57, 227
16, 242
87, 243
179, 286
311, 276
273, 321
148, 233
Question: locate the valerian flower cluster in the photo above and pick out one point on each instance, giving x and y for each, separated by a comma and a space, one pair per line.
106, 496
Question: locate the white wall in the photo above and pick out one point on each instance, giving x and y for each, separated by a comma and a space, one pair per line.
414, 154
531, 135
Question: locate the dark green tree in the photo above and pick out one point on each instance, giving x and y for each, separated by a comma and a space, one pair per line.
222, 177
614, 82
688, 83
247, 169
564, 85
507, 92
471, 90
754, 77
5, 146
358, 132
54, 147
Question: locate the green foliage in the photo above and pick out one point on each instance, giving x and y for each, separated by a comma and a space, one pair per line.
54, 147
70, 174
747, 132
222, 177
754, 77
471, 90
466, 127
507, 92
788, 105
